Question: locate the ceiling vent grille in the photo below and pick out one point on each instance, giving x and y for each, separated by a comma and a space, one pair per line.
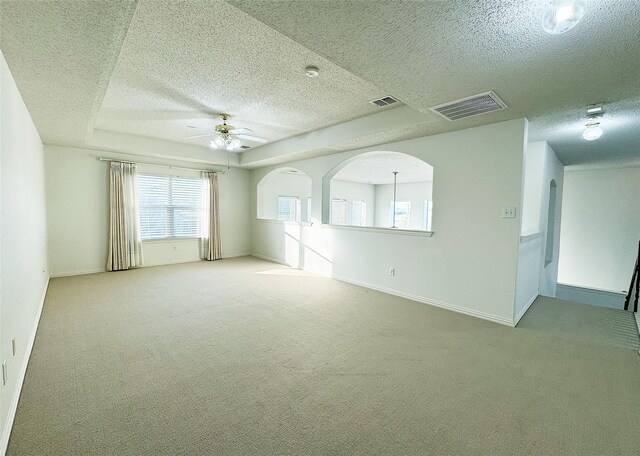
470, 106
386, 101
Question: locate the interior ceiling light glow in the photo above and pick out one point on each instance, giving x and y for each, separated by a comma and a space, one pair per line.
592, 132
562, 15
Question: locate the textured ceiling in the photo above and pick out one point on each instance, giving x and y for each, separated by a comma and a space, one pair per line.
153, 67
427, 53
61, 54
377, 168
182, 63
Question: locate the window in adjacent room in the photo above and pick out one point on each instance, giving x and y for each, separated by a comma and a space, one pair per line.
170, 206
401, 218
358, 213
338, 211
284, 194
289, 208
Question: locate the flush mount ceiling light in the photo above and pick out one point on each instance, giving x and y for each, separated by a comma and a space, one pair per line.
594, 114
592, 132
562, 15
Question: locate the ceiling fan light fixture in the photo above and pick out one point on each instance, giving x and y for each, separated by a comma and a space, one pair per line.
562, 15
218, 142
592, 132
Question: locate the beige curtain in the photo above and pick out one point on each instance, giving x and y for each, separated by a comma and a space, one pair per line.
125, 245
211, 241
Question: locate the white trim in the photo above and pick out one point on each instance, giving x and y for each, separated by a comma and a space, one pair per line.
596, 290
591, 296
637, 315
13, 406
235, 255
516, 320
373, 229
284, 222
268, 258
78, 272
530, 237
432, 302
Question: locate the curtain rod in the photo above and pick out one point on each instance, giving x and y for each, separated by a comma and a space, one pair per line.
165, 166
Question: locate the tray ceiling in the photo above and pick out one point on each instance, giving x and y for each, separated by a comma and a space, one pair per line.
151, 68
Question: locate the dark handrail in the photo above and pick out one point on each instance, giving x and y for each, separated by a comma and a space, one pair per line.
635, 280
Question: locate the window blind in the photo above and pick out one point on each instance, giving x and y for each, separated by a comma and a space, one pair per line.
338, 211
170, 206
288, 208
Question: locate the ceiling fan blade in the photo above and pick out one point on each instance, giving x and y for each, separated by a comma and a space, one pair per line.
252, 138
241, 131
198, 136
198, 128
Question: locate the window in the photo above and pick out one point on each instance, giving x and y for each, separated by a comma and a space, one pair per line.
401, 217
289, 208
170, 206
428, 209
338, 211
358, 213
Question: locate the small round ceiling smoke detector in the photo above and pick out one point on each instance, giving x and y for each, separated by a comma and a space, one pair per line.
312, 71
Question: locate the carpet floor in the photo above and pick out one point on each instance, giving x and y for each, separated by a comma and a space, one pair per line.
246, 357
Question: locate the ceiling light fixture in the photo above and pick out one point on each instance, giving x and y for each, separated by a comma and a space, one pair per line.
312, 71
562, 15
595, 109
594, 113
592, 132
223, 138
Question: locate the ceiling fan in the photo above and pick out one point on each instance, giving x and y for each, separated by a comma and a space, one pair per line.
227, 136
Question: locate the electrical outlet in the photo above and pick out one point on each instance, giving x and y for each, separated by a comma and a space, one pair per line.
13, 346
4, 373
508, 212
392, 272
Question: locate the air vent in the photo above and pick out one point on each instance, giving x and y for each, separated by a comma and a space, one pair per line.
386, 101
470, 106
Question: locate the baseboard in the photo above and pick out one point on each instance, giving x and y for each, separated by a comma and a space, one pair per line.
268, 258
593, 296
78, 272
525, 308
431, 302
13, 407
236, 255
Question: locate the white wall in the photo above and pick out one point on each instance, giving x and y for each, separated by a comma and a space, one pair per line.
282, 184
355, 191
600, 227
553, 170
416, 193
78, 214
535, 276
468, 265
23, 248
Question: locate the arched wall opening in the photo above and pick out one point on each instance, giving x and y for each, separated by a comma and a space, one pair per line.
284, 194
379, 189
551, 223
